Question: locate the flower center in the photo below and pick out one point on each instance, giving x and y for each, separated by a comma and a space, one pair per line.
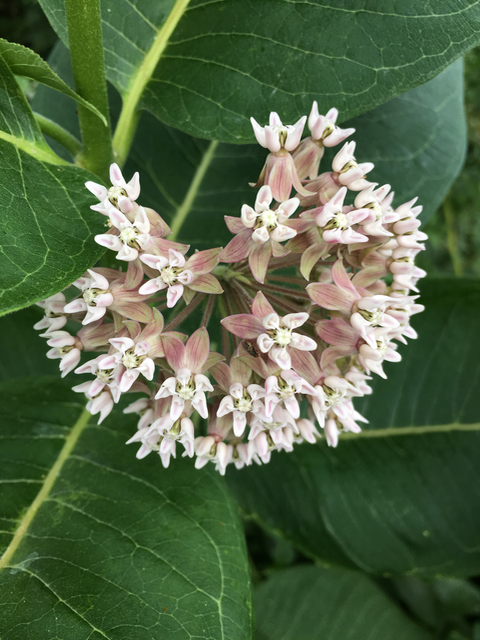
285, 390
282, 133
331, 396
129, 236
186, 391
340, 221
372, 317
169, 274
268, 219
329, 128
282, 336
131, 360
351, 164
243, 404
114, 193
89, 296
64, 350
105, 375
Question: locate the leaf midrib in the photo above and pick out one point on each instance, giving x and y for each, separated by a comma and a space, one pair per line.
48, 483
126, 124
411, 430
43, 155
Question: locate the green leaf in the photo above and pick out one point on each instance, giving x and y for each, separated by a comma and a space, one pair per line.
401, 497
23, 351
25, 62
101, 545
46, 228
206, 67
328, 604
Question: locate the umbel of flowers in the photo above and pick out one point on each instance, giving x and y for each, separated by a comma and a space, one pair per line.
320, 287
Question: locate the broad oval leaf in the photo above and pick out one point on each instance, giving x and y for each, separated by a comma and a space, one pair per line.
206, 67
46, 227
401, 497
328, 604
101, 545
25, 62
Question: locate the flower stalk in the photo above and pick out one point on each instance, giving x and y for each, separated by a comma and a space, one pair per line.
86, 50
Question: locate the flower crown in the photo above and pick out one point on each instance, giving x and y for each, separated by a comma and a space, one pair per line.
317, 296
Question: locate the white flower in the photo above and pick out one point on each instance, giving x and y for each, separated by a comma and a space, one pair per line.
276, 136
132, 237
95, 300
268, 223
54, 318
172, 275
65, 347
133, 360
120, 196
280, 337
185, 388
242, 400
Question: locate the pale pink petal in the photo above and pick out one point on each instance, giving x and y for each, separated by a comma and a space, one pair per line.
98, 190
331, 297
197, 349
174, 351
244, 326
258, 261
238, 247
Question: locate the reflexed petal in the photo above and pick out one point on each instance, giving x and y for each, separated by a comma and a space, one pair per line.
244, 326
197, 349
261, 307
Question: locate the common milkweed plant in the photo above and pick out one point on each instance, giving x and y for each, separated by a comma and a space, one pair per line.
221, 260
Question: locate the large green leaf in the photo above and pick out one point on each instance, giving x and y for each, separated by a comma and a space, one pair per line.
402, 496
206, 67
28, 64
46, 227
417, 142
101, 545
328, 604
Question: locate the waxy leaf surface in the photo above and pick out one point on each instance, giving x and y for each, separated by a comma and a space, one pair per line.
46, 227
401, 497
206, 67
100, 545
328, 604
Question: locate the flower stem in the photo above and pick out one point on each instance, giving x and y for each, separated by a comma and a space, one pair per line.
285, 291
86, 49
185, 312
58, 133
208, 311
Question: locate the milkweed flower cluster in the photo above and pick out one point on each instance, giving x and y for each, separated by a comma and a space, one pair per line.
320, 288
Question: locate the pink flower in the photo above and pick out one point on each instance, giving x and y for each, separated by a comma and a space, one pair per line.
324, 134
132, 238
336, 221
54, 318
121, 195
284, 388
96, 297
279, 171
274, 335
176, 273
259, 232
67, 348
187, 388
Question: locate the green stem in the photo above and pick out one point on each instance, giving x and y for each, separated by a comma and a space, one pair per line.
86, 49
58, 133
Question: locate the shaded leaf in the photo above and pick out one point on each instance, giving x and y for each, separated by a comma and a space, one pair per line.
328, 604
47, 228
102, 545
25, 62
206, 67
401, 497
23, 351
